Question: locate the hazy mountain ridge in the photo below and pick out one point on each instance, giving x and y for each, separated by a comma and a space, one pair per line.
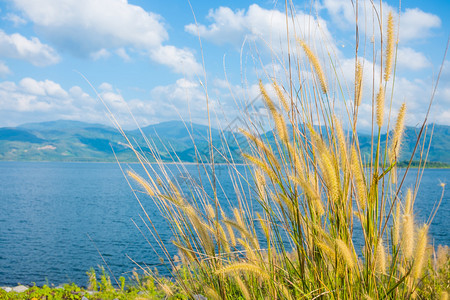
78, 141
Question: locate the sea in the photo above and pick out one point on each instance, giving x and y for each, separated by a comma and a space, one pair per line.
59, 219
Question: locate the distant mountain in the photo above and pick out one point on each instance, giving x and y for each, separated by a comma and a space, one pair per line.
77, 141
15, 134
175, 140
438, 150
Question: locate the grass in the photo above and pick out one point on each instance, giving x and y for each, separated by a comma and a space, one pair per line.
313, 218
321, 220
100, 288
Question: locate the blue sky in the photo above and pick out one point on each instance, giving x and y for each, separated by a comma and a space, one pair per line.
145, 56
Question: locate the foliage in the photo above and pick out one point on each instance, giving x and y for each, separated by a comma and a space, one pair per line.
138, 287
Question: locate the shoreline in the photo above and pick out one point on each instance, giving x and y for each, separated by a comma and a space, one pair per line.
443, 166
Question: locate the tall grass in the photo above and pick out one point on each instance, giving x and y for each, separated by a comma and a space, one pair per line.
322, 219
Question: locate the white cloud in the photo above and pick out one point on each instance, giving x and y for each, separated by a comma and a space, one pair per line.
15, 19
46, 88
31, 96
408, 58
31, 100
95, 28
32, 50
121, 52
179, 60
264, 25
341, 11
414, 23
183, 99
4, 70
100, 54
105, 86
441, 106
85, 26
227, 26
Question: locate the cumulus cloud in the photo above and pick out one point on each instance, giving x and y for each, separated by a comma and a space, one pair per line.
30, 95
121, 52
414, 23
227, 26
182, 96
265, 25
19, 47
15, 19
179, 60
85, 26
4, 70
31, 100
100, 54
417, 24
45, 88
408, 58
95, 28
105, 86
441, 105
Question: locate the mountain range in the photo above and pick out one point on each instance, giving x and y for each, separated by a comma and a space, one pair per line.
77, 141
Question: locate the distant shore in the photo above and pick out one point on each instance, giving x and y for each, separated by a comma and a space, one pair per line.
402, 165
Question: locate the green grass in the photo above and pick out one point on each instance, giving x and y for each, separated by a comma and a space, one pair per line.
100, 287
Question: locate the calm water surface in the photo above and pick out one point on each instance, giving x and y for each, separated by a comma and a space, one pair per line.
56, 218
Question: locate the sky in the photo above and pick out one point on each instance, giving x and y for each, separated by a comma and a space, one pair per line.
152, 61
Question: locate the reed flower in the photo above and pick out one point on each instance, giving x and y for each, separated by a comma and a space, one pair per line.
380, 257
408, 236
380, 106
142, 182
281, 96
359, 179
398, 133
293, 214
345, 253
358, 83
419, 254
316, 65
389, 47
243, 267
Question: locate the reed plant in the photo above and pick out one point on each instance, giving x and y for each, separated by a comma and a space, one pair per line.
323, 219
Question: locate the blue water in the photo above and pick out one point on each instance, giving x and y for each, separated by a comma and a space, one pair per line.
56, 218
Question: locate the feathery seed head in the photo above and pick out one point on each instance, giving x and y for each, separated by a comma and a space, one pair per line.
380, 257
268, 101
316, 65
408, 202
442, 256
408, 235
243, 267
358, 83
142, 182
380, 106
419, 255
260, 183
281, 128
210, 211
389, 47
281, 96
341, 141
346, 253
359, 179
398, 133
